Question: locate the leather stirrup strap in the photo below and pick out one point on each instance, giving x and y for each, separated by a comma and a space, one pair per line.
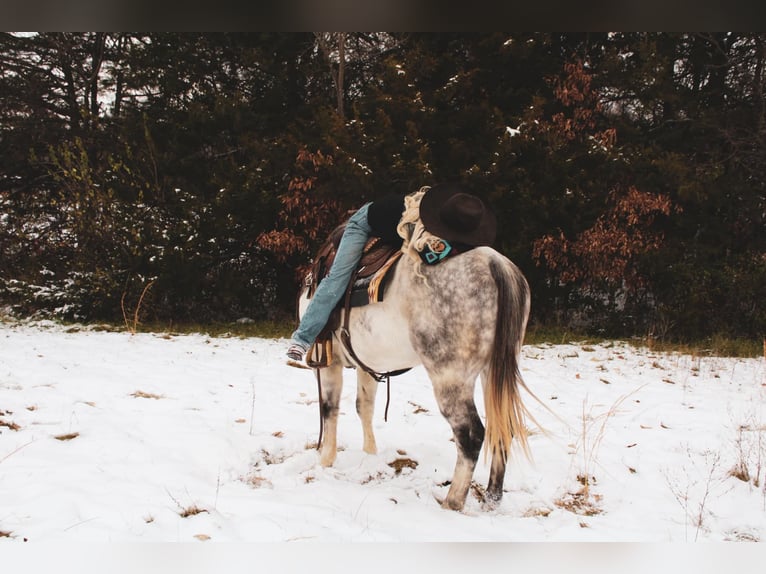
321, 419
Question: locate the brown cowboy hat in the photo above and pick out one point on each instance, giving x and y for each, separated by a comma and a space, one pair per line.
449, 212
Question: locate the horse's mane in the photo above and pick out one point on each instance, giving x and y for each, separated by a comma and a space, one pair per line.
412, 230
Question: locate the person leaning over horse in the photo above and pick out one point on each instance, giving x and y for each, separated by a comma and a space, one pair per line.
446, 211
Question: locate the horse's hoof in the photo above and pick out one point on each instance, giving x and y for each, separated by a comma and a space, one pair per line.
490, 504
452, 505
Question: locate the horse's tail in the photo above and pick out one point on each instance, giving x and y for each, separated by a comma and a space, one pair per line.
505, 411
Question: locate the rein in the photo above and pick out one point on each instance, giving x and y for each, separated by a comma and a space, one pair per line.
321, 418
345, 338
378, 377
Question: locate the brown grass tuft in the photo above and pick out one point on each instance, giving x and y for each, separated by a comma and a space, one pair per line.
402, 463
259, 482
68, 436
478, 492
581, 502
542, 511
144, 395
740, 471
192, 510
11, 425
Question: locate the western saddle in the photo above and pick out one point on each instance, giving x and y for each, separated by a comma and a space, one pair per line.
367, 285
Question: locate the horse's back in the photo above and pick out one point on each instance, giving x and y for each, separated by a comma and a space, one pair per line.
453, 322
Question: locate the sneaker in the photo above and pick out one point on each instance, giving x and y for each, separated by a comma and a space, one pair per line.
295, 353
295, 356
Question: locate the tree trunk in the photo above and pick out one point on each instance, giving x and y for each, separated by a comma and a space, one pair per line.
97, 58
325, 46
341, 72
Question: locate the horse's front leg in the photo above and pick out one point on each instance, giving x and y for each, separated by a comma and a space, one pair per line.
366, 388
329, 405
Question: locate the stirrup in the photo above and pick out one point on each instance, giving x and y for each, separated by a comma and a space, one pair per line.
319, 355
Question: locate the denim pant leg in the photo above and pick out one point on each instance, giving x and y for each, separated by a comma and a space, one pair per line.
333, 286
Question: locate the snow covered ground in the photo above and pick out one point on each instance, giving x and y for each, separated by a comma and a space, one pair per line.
112, 437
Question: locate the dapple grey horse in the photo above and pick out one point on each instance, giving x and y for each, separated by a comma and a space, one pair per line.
462, 319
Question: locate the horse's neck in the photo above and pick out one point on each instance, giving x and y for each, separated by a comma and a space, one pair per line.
409, 277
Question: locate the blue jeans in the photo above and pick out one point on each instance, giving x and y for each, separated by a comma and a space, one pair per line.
333, 286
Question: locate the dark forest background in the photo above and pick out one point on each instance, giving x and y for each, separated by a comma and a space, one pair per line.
627, 170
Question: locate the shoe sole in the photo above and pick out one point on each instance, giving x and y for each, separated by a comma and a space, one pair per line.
297, 364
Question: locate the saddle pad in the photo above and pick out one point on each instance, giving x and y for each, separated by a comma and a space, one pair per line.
371, 289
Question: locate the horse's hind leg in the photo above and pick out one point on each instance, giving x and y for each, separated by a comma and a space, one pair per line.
329, 405
496, 479
456, 403
366, 388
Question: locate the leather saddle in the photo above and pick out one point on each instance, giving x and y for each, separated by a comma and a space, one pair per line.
367, 284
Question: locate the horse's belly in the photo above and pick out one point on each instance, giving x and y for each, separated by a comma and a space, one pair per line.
380, 339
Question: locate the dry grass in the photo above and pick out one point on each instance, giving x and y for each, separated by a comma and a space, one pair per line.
185, 511
418, 409
740, 471
377, 477
739, 536
132, 324
479, 492
538, 511
716, 345
67, 436
192, 510
270, 458
702, 483
401, 463
145, 395
750, 447
592, 432
581, 502
10, 425
257, 481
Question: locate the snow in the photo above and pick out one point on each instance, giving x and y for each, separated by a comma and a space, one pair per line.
113, 437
